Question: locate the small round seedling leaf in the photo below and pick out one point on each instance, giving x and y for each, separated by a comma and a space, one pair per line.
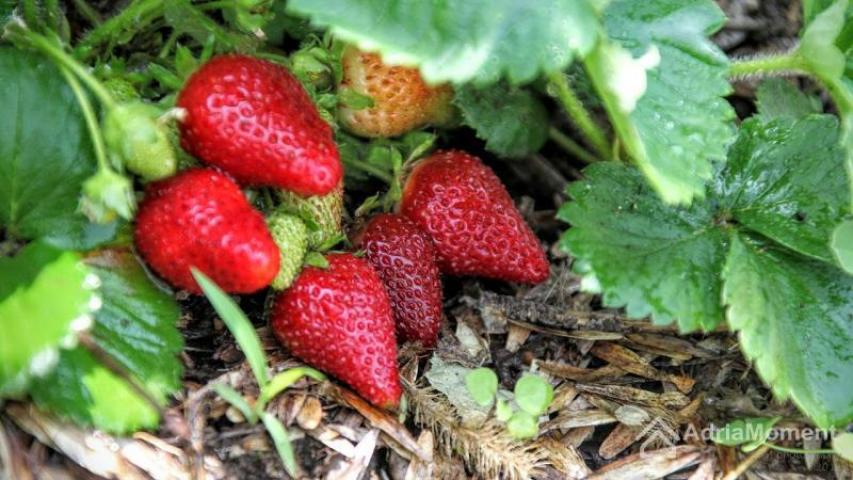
842, 445
749, 432
533, 394
522, 426
503, 411
482, 384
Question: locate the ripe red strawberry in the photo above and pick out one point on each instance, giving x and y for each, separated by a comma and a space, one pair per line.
253, 119
472, 220
339, 320
404, 258
201, 218
402, 101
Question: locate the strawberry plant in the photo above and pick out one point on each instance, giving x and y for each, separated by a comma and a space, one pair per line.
346, 158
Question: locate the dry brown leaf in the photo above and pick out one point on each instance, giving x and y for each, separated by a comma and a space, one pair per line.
650, 465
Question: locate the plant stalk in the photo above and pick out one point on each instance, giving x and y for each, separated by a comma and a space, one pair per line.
573, 148
64, 60
593, 134
126, 20
90, 118
767, 65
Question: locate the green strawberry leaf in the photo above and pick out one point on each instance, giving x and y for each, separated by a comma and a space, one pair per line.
821, 56
842, 245
482, 384
842, 445
45, 155
745, 431
797, 206
533, 394
793, 315
758, 241
666, 105
511, 120
7, 7
136, 327
778, 98
650, 257
46, 297
462, 40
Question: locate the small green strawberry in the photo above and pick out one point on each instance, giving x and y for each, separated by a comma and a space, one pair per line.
291, 236
121, 90
132, 132
322, 215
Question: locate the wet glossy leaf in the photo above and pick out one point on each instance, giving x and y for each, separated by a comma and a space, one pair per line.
842, 245
781, 187
793, 315
681, 124
842, 445
46, 297
745, 431
45, 155
511, 120
779, 98
462, 40
782, 180
650, 257
136, 327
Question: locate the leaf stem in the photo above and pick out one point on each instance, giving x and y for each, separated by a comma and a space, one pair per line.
767, 65
819, 451
126, 22
86, 11
91, 120
580, 116
566, 143
64, 60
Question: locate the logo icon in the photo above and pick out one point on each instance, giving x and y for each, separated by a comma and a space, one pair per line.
657, 434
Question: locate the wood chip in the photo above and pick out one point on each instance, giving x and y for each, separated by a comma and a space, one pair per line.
669, 346
650, 465
354, 468
107, 456
665, 400
587, 418
629, 361
516, 336
565, 459
311, 414
379, 419
577, 374
333, 440
617, 441
417, 469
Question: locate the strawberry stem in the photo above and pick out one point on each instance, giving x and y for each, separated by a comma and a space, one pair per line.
136, 16
91, 120
567, 97
819, 451
570, 146
776, 64
21, 35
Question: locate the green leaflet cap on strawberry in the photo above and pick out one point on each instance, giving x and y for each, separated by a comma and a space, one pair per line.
477, 230
253, 119
201, 218
404, 258
323, 214
291, 236
339, 320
